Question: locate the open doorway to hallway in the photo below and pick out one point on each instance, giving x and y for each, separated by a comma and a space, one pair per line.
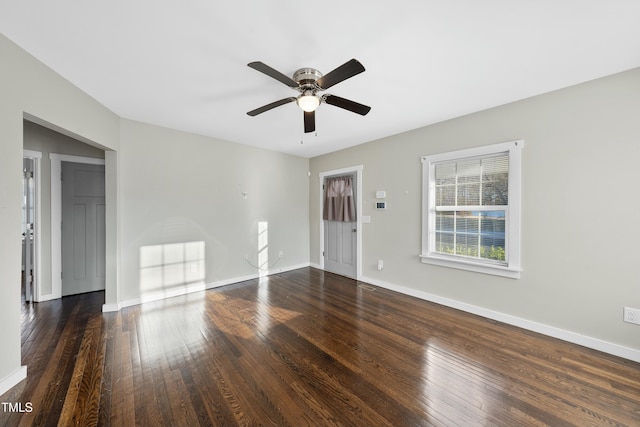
53, 149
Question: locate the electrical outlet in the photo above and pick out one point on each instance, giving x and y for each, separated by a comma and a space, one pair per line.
632, 315
380, 264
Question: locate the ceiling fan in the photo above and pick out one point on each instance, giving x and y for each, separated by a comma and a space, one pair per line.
309, 81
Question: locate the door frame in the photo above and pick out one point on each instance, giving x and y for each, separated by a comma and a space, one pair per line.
358, 171
37, 223
56, 215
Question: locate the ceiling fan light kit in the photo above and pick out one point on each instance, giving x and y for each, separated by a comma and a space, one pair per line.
308, 103
309, 81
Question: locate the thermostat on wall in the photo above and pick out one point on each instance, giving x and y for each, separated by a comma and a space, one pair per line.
381, 205
381, 194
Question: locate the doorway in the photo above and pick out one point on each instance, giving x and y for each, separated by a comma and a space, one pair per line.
51, 141
340, 236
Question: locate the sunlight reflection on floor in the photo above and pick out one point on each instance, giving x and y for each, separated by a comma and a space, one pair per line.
247, 319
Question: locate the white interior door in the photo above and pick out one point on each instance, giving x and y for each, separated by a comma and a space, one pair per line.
83, 228
340, 245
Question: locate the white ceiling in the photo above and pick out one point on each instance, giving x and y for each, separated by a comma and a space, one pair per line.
183, 64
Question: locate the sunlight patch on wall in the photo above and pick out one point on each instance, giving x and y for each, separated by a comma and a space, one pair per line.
171, 266
263, 248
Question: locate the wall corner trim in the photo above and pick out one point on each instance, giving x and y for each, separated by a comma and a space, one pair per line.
108, 308
13, 379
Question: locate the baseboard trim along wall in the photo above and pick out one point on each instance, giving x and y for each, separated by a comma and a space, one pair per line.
13, 379
47, 297
194, 288
572, 337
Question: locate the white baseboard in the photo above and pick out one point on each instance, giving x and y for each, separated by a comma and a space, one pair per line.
572, 337
12, 379
156, 296
48, 297
107, 308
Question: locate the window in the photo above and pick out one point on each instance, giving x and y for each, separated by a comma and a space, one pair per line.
471, 209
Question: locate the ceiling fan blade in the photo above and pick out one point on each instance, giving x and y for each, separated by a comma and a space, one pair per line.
309, 121
274, 74
270, 106
343, 72
347, 104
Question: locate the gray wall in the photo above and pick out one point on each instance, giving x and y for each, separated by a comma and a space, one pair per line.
580, 177
30, 89
177, 187
184, 188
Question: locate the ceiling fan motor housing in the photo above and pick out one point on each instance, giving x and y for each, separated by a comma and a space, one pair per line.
306, 78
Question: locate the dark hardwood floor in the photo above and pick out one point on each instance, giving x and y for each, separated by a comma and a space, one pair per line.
306, 348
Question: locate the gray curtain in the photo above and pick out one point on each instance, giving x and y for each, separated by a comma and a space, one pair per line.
339, 201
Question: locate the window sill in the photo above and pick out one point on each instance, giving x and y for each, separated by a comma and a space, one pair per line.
496, 270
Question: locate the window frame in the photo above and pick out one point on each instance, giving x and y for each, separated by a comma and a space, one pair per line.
511, 267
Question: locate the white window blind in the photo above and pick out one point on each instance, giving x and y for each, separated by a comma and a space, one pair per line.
471, 207
471, 200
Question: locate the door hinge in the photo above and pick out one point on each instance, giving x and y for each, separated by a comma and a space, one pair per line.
322, 253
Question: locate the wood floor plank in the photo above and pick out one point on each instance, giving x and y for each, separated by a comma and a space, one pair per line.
118, 389
306, 347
